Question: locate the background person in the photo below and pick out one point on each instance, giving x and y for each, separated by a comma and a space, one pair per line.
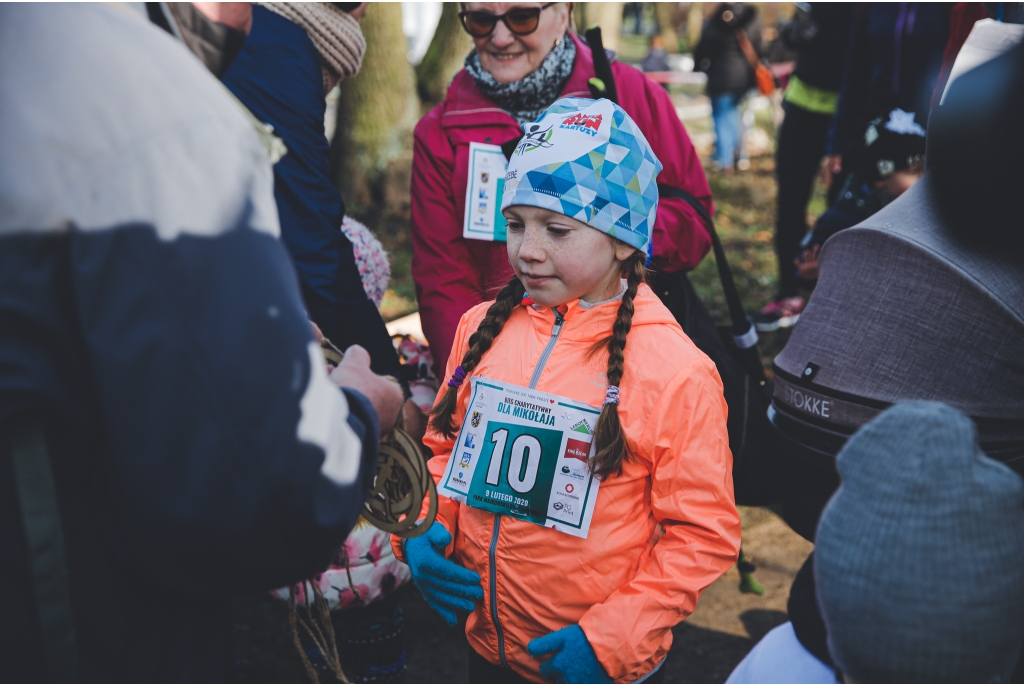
294, 55
520, 66
360, 583
889, 161
166, 423
657, 55
819, 37
895, 54
730, 75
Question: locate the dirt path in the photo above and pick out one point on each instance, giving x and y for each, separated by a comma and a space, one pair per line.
727, 622
707, 646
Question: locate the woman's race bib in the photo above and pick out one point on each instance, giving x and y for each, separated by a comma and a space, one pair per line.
523, 453
486, 182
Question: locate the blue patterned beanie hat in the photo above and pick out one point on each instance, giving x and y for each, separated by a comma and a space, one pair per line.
588, 160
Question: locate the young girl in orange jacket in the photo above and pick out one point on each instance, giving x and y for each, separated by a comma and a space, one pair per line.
584, 471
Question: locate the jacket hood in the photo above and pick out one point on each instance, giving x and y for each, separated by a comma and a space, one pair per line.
593, 324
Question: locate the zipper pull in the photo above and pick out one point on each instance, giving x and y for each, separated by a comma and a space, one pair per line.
559, 320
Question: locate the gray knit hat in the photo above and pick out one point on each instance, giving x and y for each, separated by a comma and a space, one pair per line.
919, 557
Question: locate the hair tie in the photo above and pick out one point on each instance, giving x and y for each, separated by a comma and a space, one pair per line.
457, 377
611, 395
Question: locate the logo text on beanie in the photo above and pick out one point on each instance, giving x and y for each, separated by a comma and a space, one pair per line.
584, 123
535, 138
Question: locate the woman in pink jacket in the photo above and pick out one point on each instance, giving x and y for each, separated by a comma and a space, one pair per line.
525, 59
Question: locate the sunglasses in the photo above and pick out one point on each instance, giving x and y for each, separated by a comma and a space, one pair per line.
521, 21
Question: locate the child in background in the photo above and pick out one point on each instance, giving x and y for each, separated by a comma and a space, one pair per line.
577, 322
890, 161
657, 56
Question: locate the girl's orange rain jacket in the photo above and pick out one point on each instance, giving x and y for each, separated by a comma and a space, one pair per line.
626, 584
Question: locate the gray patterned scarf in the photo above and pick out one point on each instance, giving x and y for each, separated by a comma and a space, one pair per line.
528, 97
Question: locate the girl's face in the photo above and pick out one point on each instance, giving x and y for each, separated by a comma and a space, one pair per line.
510, 57
560, 259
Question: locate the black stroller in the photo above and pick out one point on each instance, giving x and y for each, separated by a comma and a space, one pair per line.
903, 310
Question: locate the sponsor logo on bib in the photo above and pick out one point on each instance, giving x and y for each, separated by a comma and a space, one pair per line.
582, 426
576, 449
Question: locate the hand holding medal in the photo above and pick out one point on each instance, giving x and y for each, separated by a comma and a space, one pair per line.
402, 479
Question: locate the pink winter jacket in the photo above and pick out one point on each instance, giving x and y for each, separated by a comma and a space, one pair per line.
453, 274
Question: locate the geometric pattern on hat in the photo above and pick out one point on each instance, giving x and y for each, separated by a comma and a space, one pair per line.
587, 159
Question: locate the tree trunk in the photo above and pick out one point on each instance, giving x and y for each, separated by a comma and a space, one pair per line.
607, 15
694, 24
665, 11
444, 58
579, 17
371, 154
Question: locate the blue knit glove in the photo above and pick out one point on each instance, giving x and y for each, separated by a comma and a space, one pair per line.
444, 584
573, 659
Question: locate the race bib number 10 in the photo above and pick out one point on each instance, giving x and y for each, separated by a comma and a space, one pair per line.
523, 453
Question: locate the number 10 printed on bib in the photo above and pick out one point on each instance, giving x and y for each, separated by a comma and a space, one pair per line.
523, 453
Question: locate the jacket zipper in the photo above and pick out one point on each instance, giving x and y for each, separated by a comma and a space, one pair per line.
534, 379
539, 369
494, 591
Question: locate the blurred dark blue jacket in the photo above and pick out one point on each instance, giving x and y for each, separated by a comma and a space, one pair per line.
894, 60
277, 75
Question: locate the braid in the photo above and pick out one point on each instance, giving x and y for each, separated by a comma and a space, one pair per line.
610, 444
509, 297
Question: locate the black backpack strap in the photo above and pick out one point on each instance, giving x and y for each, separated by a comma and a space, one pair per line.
37, 497
743, 331
508, 147
602, 86
602, 67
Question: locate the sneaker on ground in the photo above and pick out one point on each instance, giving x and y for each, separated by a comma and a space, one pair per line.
781, 313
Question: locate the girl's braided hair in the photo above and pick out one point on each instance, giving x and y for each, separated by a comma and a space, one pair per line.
610, 445
497, 314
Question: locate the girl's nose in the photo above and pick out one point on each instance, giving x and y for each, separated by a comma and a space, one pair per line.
532, 248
